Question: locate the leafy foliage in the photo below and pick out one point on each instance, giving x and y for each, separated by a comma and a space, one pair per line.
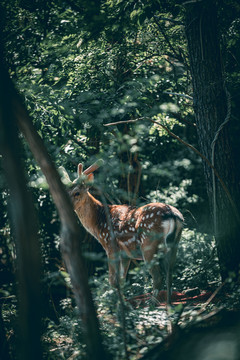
79, 66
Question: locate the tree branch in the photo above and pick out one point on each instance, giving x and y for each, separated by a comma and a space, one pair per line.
24, 226
177, 56
192, 148
169, 19
178, 94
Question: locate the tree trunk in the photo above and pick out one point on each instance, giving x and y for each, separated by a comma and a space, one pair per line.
212, 108
70, 231
25, 230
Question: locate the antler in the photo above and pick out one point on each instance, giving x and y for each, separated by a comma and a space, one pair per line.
92, 168
89, 170
80, 168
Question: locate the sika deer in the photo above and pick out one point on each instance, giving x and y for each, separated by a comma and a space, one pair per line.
152, 228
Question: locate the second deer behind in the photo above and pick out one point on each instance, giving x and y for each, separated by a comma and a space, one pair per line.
154, 229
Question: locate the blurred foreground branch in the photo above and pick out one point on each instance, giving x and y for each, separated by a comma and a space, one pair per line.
71, 232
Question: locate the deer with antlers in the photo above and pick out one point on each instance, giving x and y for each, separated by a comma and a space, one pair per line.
153, 228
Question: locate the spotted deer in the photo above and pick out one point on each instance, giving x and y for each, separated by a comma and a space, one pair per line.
152, 228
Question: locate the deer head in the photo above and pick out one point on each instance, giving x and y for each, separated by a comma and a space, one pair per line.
79, 190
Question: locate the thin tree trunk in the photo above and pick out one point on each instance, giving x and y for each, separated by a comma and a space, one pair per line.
71, 232
212, 109
25, 231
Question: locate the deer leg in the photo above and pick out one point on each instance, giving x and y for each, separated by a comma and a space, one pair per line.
112, 271
123, 269
124, 266
155, 268
156, 274
169, 265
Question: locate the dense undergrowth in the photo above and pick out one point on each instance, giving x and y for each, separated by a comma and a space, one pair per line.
145, 322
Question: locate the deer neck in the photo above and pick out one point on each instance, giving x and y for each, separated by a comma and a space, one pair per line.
88, 214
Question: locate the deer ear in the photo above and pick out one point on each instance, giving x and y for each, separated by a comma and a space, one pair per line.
90, 177
80, 169
64, 175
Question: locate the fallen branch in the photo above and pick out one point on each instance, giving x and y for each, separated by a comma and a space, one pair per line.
214, 294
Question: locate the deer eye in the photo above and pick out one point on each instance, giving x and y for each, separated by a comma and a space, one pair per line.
76, 194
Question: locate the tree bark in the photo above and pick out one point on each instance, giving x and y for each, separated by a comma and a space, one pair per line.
212, 108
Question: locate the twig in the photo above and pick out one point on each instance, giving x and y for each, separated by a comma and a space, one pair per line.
124, 122
191, 2
204, 306
138, 181
168, 19
178, 56
178, 94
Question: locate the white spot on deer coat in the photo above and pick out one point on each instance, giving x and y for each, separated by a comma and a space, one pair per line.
131, 240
